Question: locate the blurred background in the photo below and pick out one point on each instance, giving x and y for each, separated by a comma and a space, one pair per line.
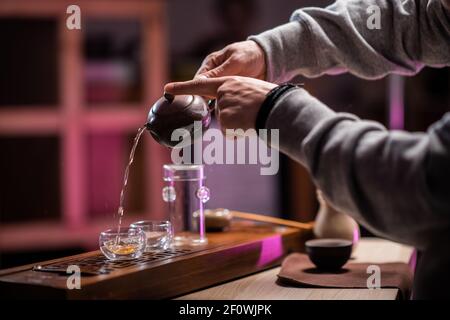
71, 102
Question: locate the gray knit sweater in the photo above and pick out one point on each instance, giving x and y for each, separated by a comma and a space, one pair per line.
395, 183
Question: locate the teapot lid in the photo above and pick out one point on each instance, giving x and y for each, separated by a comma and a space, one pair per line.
170, 104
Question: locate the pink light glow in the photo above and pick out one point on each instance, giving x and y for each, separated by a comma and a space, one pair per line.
106, 167
412, 266
271, 249
356, 235
396, 103
413, 261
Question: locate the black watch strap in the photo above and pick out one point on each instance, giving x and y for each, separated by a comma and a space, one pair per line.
269, 103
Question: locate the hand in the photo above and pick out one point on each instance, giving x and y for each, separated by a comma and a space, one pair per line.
238, 98
244, 58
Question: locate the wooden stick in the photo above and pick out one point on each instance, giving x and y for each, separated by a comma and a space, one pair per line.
273, 220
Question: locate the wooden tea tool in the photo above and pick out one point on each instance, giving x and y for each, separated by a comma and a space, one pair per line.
219, 219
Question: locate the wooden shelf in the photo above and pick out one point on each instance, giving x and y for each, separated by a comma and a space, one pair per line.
55, 235
47, 120
103, 8
36, 120
115, 118
73, 119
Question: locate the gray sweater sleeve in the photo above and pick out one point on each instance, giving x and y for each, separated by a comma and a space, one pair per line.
395, 183
343, 38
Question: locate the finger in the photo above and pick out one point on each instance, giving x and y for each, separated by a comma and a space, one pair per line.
212, 61
200, 76
205, 67
206, 97
199, 86
225, 69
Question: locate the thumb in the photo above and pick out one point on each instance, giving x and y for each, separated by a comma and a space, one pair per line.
199, 86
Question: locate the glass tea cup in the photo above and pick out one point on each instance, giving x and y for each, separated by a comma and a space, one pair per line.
158, 234
122, 244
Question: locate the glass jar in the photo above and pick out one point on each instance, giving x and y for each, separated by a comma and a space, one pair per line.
185, 195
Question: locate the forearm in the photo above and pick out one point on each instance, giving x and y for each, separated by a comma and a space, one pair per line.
337, 39
392, 182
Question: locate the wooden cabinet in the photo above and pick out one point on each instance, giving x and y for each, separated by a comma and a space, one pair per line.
70, 104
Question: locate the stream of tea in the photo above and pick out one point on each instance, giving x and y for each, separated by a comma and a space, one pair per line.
121, 209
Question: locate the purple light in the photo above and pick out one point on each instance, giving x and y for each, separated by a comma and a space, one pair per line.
356, 235
413, 261
396, 103
271, 250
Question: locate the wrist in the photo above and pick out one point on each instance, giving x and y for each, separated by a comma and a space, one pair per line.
260, 61
269, 102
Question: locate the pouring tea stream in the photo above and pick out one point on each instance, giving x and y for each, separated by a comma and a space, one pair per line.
166, 115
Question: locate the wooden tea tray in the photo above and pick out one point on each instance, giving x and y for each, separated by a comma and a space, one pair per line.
247, 247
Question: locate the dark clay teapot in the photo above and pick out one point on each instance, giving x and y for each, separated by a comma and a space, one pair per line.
178, 112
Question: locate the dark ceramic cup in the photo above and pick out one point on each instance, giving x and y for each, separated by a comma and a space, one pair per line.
329, 254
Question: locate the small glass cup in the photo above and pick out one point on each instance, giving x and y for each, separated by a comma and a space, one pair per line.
123, 244
158, 234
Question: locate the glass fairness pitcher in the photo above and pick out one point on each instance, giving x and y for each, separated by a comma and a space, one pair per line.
185, 195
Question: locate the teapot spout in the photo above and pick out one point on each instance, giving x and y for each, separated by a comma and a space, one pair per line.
148, 126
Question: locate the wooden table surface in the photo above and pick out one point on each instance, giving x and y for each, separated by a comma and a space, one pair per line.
263, 285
